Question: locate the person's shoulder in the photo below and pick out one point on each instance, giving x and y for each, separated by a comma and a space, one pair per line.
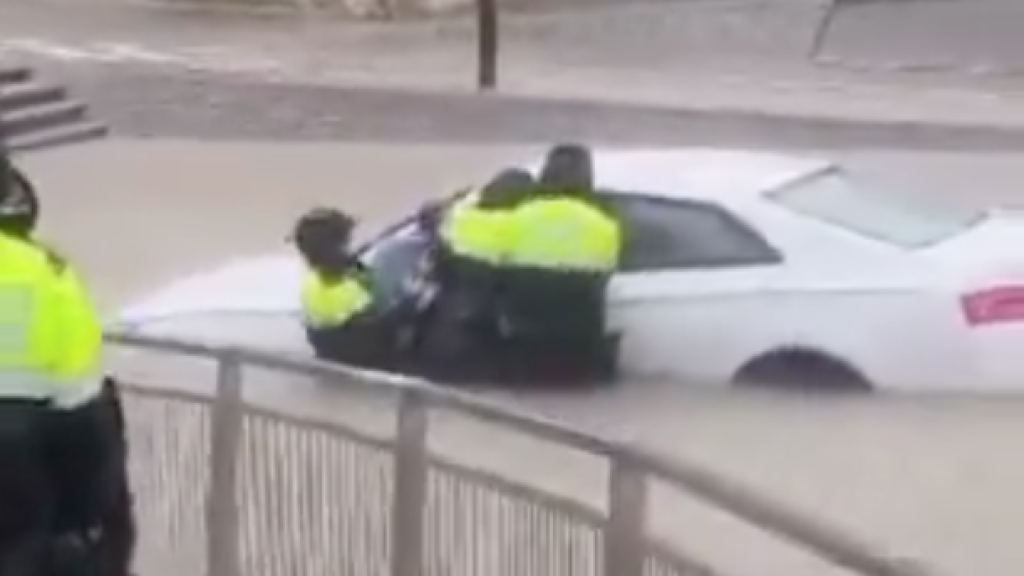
54, 257
51, 257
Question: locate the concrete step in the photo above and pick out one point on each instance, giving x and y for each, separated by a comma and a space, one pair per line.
13, 75
40, 118
59, 136
36, 114
25, 94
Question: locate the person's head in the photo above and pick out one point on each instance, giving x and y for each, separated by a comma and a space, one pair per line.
19, 203
322, 237
568, 168
506, 189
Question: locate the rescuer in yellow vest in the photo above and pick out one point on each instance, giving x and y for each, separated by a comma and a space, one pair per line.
565, 245
341, 320
63, 480
460, 331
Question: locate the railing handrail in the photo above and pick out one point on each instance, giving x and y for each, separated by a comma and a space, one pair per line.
742, 502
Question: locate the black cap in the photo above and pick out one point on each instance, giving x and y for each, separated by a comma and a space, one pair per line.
19, 203
17, 197
322, 235
568, 167
6, 173
506, 188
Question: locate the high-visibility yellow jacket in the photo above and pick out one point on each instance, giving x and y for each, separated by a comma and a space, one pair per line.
51, 338
332, 302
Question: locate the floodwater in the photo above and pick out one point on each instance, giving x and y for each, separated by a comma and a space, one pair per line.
934, 477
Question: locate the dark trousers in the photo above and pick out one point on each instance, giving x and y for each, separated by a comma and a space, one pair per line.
26, 494
554, 329
456, 340
456, 335
87, 457
367, 341
65, 505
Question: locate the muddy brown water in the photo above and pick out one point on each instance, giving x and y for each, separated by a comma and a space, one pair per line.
936, 477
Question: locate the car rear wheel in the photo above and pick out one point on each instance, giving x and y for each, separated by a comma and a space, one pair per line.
802, 370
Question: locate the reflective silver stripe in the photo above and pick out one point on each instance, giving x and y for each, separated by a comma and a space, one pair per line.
17, 304
31, 385
316, 324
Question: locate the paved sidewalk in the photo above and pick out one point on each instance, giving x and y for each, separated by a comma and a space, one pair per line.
797, 91
801, 92
813, 96
549, 57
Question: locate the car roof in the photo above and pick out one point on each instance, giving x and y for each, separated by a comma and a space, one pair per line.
699, 173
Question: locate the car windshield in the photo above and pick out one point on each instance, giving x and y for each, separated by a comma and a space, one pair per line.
393, 256
393, 259
834, 198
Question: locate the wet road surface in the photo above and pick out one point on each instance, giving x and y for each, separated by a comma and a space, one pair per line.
148, 102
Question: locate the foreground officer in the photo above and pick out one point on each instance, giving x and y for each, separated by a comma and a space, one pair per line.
64, 497
341, 321
565, 248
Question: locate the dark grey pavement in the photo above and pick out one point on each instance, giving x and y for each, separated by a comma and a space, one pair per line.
153, 74
956, 34
152, 103
976, 36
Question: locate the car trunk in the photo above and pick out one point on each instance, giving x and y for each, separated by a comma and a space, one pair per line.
986, 263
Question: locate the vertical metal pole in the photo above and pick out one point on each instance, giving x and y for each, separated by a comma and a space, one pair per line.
821, 31
487, 28
222, 529
625, 533
410, 495
6, 176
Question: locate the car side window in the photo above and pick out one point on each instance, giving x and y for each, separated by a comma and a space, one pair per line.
662, 234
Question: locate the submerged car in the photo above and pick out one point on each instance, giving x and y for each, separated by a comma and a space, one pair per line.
738, 267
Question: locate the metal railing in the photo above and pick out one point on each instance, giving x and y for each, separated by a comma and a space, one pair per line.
227, 486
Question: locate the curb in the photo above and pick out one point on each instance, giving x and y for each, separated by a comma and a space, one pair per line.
291, 9
737, 113
397, 11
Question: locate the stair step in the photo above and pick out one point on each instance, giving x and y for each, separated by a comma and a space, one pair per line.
25, 94
43, 117
13, 75
59, 136
35, 114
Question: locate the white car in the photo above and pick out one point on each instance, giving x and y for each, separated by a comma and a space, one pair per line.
739, 267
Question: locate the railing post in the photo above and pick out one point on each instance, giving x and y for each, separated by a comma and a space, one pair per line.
824, 26
625, 534
410, 489
222, 530
487, 30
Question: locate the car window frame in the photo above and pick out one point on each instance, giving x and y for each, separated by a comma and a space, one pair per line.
770, 256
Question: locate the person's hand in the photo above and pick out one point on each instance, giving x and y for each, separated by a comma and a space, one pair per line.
429, 215
431, 206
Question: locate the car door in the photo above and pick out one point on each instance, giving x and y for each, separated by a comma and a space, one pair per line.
688, 283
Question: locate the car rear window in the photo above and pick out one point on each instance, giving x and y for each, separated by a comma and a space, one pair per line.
834, 198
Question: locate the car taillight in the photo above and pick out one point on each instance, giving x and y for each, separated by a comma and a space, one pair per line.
994, 305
